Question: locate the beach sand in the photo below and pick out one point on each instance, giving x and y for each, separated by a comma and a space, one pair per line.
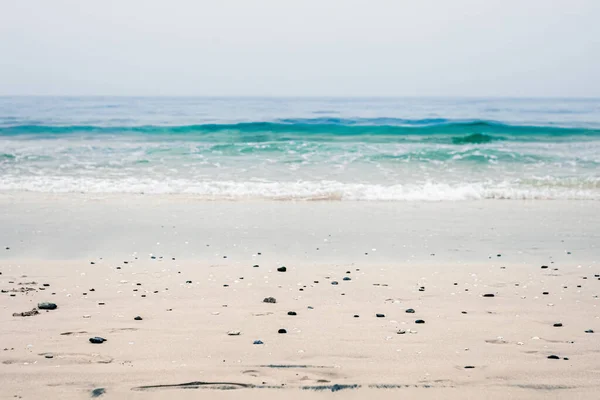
196, 270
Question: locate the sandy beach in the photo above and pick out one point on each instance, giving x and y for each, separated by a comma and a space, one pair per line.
197, 273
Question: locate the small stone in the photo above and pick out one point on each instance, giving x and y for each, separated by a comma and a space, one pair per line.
589, 331
419, 321
545, 293
188, 281
98, 392
292, 313
49, 356
410, 311
97, 340
463, 312
47, 306
255, 266
282, 331
138, 318
334, 283
380, 315
281, 269
422, 289
557, 325
544, 267
258, 342
269, 300
401, 332
553, 357
347, 278
46, 284
356, 316
489, 295
469, 366
234, 333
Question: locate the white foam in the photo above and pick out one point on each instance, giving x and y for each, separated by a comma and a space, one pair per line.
301, 190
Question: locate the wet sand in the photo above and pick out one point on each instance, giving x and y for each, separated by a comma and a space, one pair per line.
196, 271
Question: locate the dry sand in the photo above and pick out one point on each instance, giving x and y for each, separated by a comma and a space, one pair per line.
456, 252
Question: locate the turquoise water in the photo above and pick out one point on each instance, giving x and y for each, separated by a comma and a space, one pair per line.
338, 149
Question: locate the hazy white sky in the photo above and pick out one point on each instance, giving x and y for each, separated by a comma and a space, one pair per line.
301, 47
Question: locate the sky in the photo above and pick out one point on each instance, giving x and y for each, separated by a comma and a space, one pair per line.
515, 48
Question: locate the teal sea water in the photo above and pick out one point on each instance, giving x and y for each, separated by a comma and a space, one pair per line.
337, 149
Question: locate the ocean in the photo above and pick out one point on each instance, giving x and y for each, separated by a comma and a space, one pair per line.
353, 149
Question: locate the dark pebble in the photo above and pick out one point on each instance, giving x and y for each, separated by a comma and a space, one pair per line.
419, 321
97, 340
138, 318
334, 282
255, 266
292, 313
469, 366
544, 267
258, 342
463, 312
410, 311
553, 357
422, 289
347, 278
188, 281
557, 325
589, 331
46, 284
282, 331
489, 295
356, 315
380, 315
545, 293
47, 306
98, 392
269, 300
281, 269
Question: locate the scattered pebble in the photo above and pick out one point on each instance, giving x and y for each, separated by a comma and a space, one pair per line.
47, 306
282, 331
270, 300
97, 340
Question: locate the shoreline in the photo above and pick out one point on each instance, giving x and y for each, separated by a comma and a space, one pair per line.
456, 252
